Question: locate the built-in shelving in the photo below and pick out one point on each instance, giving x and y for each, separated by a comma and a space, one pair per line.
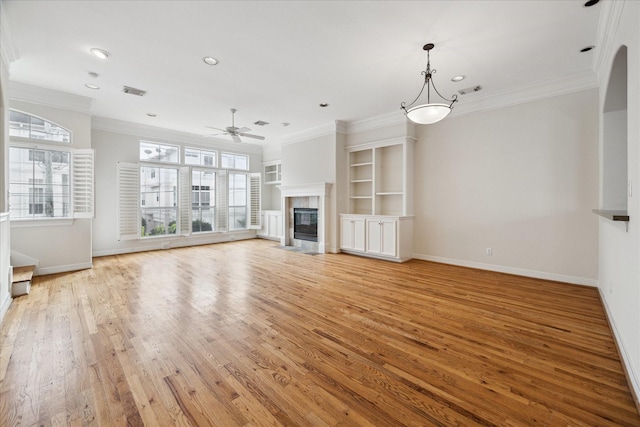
272, 173
613, 215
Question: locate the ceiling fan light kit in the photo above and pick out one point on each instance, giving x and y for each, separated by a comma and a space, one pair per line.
426, 114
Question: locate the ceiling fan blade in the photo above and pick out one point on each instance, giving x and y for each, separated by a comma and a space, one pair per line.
236, 138
248, 135
221, 130
243, 129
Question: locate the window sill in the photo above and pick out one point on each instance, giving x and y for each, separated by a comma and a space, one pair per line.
41, 222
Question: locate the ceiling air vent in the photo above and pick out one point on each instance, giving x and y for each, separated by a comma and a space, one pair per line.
134, 91
470, 90
260, 123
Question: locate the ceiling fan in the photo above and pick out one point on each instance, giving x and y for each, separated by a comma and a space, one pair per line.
235, 132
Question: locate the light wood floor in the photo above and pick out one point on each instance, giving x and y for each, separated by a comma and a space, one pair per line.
246, 334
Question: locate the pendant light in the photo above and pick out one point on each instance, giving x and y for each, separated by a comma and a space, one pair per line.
425, 114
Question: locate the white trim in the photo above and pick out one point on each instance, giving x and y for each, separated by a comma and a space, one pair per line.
632, 376
62, 268
315, 132
511, 270
41, 222
49, 97
320, 189
193, 240
5, 306
607, 24
170, 136
8, 49
534, 92
378, 122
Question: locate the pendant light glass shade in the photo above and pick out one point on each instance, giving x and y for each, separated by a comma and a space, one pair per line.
427, 114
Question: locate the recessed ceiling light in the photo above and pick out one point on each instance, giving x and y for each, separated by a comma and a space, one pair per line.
324, 104
92, 74
285, 124
586, 49
100, 53
94, 87
152, 114
210, 60
591, 3
457, 78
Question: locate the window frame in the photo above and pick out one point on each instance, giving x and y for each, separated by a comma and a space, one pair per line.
159, 144
236, 155
31, 139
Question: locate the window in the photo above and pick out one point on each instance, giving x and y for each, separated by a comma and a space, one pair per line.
196, 157
158, 200
24, 125
155, 199
237, 201
235, 161
156, 152
203, 196
39, 183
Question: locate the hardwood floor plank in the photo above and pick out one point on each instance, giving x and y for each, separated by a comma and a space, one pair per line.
246, 334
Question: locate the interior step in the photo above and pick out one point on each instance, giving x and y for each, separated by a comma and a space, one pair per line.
22, 280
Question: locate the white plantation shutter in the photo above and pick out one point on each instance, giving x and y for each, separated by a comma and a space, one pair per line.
222, 202
254, 201
184, 210
128, 205
83, 185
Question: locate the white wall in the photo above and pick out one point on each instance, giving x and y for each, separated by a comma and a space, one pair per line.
112, 146
56, 247
520, 180
619, 275
313, 161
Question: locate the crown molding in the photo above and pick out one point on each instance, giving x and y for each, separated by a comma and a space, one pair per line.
607, 27
7, 48
330, 128
562, 86
167, 135
378, 122
49, 97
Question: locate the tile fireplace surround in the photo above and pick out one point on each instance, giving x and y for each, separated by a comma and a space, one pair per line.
305, 196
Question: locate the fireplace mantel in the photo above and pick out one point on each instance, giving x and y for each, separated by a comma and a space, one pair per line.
320, 190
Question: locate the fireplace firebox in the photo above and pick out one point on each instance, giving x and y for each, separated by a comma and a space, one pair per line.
305, 224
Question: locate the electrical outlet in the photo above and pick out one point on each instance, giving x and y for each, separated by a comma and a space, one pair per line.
488, 251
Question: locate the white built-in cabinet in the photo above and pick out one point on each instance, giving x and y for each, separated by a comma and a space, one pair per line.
379, 221
273, 172
271, 225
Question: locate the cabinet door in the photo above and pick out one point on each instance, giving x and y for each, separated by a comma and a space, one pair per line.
388, 238
374, 237
346, 233
352, 232
381, 237
275, 225
358, 234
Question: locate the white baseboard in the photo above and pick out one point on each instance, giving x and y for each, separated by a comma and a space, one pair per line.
511, 270
5, 306
631, 374
40, 271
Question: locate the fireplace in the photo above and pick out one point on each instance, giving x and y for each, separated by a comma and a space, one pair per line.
306, 196
305, 224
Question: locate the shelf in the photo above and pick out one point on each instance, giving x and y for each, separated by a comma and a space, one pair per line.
361, 164
360, 180
389, 193
613, 215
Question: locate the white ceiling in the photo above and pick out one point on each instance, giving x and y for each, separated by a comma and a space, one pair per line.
279, 60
